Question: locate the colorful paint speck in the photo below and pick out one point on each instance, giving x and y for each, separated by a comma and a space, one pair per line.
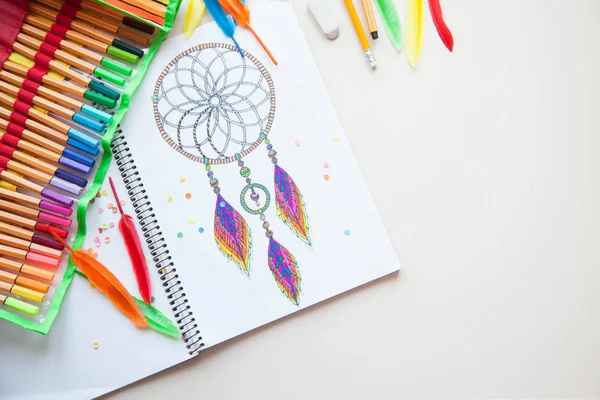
347, 232
188, 196
297, 143
326, 177
179, 235
201, 230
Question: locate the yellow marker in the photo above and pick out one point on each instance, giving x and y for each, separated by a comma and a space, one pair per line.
361, 33
22, 292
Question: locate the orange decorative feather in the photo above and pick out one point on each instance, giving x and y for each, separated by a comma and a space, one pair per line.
241, 14
102, 279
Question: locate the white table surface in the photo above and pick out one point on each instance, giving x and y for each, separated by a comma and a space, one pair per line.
484, 165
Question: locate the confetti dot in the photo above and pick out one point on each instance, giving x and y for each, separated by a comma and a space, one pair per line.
98, 244
181, 180
105, 226
146, 258
188, 196
95, 255
347, 232
98, 194
107, 240
100, 230
179, 235
326, 164
92, 201
97, 239
297, 142
154, 98
90, 251
201, 230
222, 204
96, 346
122, 202
100, 210
336, 138
191, 221
111, 224
169, 199
104, 193
110, 205
326, 177
152, 300
114, 210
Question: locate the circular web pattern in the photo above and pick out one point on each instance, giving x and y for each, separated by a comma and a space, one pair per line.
211, 104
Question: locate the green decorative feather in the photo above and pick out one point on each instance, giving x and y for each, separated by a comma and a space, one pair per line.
391, 21
157, 320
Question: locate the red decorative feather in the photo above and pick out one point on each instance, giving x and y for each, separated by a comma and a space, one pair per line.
440, 24
103, 280
134, 249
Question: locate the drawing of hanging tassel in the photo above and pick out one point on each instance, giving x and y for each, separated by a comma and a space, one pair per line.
288, 199
284, 268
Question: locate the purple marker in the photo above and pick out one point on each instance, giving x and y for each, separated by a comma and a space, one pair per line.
44, 241
77, 166
57, 197
66, 186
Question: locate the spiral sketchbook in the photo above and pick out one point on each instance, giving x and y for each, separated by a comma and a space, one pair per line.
249, 199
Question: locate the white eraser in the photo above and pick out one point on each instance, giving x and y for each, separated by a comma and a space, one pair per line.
326, 17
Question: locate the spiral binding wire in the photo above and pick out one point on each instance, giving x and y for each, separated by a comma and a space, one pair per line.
156, 244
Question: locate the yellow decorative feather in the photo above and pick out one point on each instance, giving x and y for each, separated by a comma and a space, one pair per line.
193, 17
414, 31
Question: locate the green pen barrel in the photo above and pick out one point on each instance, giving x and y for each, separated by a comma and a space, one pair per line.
122, 55
116, 66
100, 99
109, 76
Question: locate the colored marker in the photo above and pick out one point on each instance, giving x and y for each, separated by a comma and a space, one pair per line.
25, 234
20, 120
22, 65
13, 142
65, 70
35, 188
29, 246
26, 269
19, 305
51, 106
84, 40
75, 49
24, 199
104, 22
31, 223
126, 20
24, 282
66, 101
88, 30
71, 60
21, 292
29, 256
42, 166
58, 183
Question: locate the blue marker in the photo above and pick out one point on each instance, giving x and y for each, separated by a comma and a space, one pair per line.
78, 157
88, 122
83, 147
98, 114
83, 138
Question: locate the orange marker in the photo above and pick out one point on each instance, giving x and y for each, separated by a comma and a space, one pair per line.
24, 282
26, 269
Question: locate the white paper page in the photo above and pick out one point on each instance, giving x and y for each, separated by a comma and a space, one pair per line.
226, 302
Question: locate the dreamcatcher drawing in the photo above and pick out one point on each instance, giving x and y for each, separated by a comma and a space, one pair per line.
215, 107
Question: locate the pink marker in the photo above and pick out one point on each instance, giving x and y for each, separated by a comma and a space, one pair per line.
29, 256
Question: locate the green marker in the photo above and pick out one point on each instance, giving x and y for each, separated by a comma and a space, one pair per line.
100, 99
19, 305
109, 76
122, 54
116, 66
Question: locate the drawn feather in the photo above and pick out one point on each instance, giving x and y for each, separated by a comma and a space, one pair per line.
241, 14
440, 25
414, 31
391, 21
134, 249
290, 204
224, 21
232, 234
285, 271
102, 279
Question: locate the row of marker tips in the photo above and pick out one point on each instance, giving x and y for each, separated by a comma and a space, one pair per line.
69, 62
